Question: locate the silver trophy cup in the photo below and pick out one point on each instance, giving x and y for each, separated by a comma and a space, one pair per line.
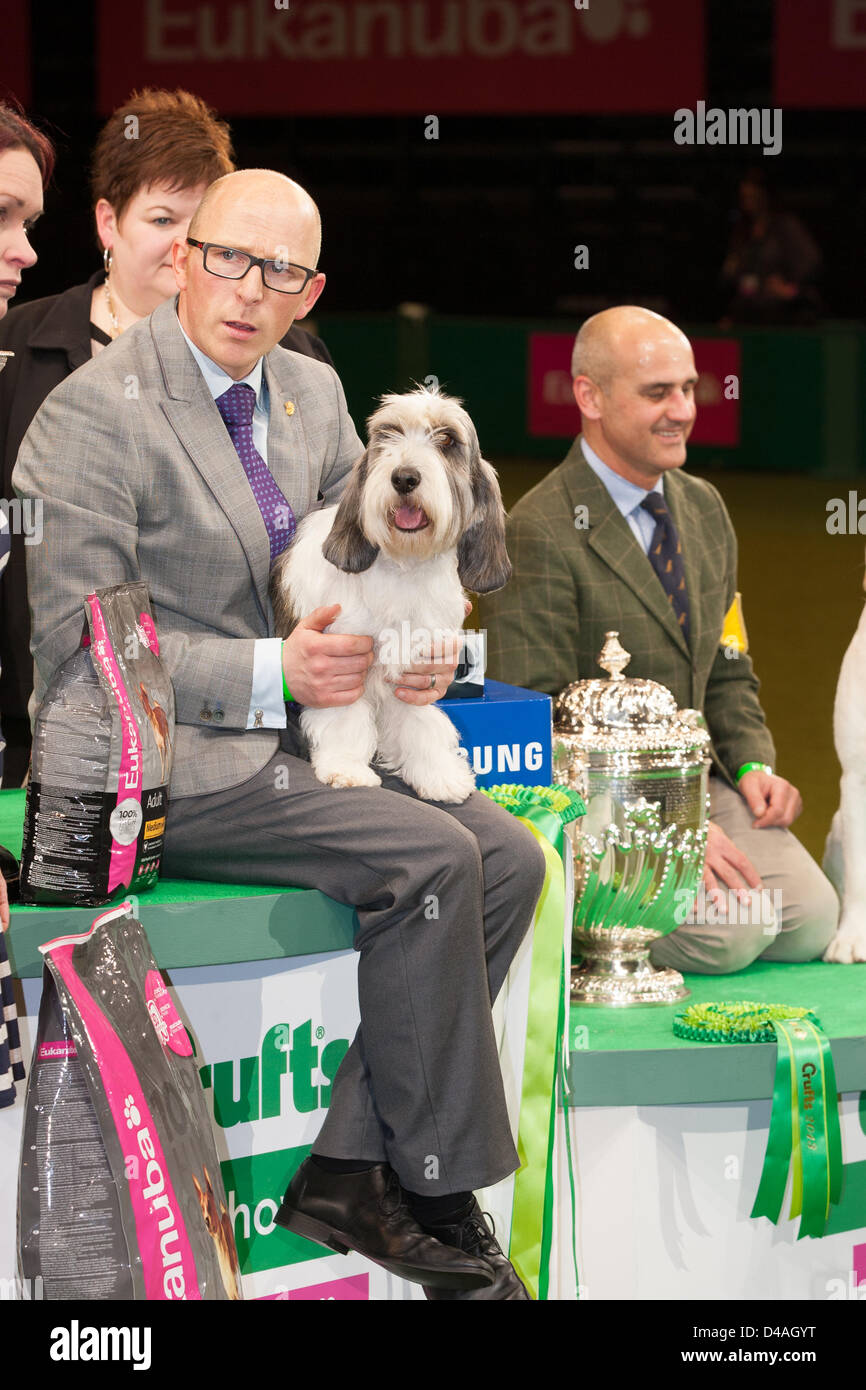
641, 766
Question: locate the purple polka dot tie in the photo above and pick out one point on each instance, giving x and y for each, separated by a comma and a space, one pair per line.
236, 406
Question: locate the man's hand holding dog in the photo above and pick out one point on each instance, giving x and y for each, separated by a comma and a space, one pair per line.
325, 668
426, 681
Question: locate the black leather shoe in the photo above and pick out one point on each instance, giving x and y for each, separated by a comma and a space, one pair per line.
475, 1237
367, 1212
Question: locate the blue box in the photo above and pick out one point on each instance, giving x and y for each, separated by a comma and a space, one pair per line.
507, 734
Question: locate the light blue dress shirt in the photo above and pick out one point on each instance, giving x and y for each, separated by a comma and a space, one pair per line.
626, 496
267, 706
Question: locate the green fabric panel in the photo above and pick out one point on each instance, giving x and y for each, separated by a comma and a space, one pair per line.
833, 992
780, 431
487, 364
188, 923
841, 401
365, 352
631, 1057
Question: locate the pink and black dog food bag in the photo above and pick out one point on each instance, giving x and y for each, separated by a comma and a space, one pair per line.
120, 1194
94, 821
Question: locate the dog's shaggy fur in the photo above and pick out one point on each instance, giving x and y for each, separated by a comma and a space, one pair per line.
845, 851
420, 518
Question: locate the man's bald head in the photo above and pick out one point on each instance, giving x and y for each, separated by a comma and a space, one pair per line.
286, 201
236, 319
634, 383
618, 340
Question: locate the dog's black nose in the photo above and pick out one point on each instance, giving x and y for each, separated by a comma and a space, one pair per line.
405, 479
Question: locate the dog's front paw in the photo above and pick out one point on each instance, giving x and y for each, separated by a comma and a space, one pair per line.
849, 943
347, 775
452, 783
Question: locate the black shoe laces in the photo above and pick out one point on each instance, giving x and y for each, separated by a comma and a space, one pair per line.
478, 1237
394, 1201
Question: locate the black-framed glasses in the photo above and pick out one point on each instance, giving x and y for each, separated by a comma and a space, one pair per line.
283, 276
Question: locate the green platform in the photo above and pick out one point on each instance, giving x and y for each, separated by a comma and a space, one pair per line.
618, 1056
188, 922
631, 1056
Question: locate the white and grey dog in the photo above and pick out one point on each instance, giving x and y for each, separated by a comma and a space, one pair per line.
421, 517
845, 851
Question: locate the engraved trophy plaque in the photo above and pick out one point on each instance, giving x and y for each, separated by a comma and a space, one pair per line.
641, 766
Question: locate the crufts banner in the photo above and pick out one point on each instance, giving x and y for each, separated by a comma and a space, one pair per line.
820, 53
281, 57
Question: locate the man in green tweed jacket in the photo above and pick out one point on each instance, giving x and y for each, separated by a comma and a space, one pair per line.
619, 537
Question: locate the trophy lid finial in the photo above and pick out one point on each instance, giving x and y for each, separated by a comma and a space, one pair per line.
613, 658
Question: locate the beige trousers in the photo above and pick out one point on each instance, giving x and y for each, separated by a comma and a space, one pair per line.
794, 919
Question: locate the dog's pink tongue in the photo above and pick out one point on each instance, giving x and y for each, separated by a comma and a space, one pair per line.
409, 518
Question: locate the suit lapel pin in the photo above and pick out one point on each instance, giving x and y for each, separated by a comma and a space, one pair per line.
290, 407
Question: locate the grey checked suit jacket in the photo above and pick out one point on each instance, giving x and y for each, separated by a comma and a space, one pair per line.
139, 479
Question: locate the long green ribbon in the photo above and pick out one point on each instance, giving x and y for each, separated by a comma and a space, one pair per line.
532, 1211
804, 1130
532, 1208
804, 1136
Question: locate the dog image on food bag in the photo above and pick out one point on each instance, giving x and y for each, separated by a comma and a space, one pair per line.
845, 851
421, 518
219, 1228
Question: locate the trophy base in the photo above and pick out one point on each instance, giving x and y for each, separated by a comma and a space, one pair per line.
616, 973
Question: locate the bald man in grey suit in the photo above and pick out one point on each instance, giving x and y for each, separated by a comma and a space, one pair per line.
140, 477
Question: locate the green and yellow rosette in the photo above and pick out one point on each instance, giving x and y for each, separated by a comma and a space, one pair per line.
804, 1121
545, 811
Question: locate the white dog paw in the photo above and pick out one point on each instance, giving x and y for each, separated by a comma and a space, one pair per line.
848, 946
451, 784
348, 775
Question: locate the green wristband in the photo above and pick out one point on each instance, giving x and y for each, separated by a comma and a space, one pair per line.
754, 767
287, 694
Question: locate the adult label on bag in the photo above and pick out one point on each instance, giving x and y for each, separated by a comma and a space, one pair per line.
68, 838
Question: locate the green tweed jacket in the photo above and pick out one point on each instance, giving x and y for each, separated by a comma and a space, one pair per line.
572, 583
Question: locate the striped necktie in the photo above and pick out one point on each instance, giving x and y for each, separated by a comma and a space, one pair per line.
666, 558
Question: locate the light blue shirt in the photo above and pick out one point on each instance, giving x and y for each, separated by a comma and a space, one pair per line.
267, 707
626, 496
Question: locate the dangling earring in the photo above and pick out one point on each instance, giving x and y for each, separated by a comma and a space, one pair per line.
106, 260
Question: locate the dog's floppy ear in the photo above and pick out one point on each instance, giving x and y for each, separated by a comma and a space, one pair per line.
482, 560
346, 545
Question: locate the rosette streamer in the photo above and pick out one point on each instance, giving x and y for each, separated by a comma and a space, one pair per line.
545, 811
804, 1122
